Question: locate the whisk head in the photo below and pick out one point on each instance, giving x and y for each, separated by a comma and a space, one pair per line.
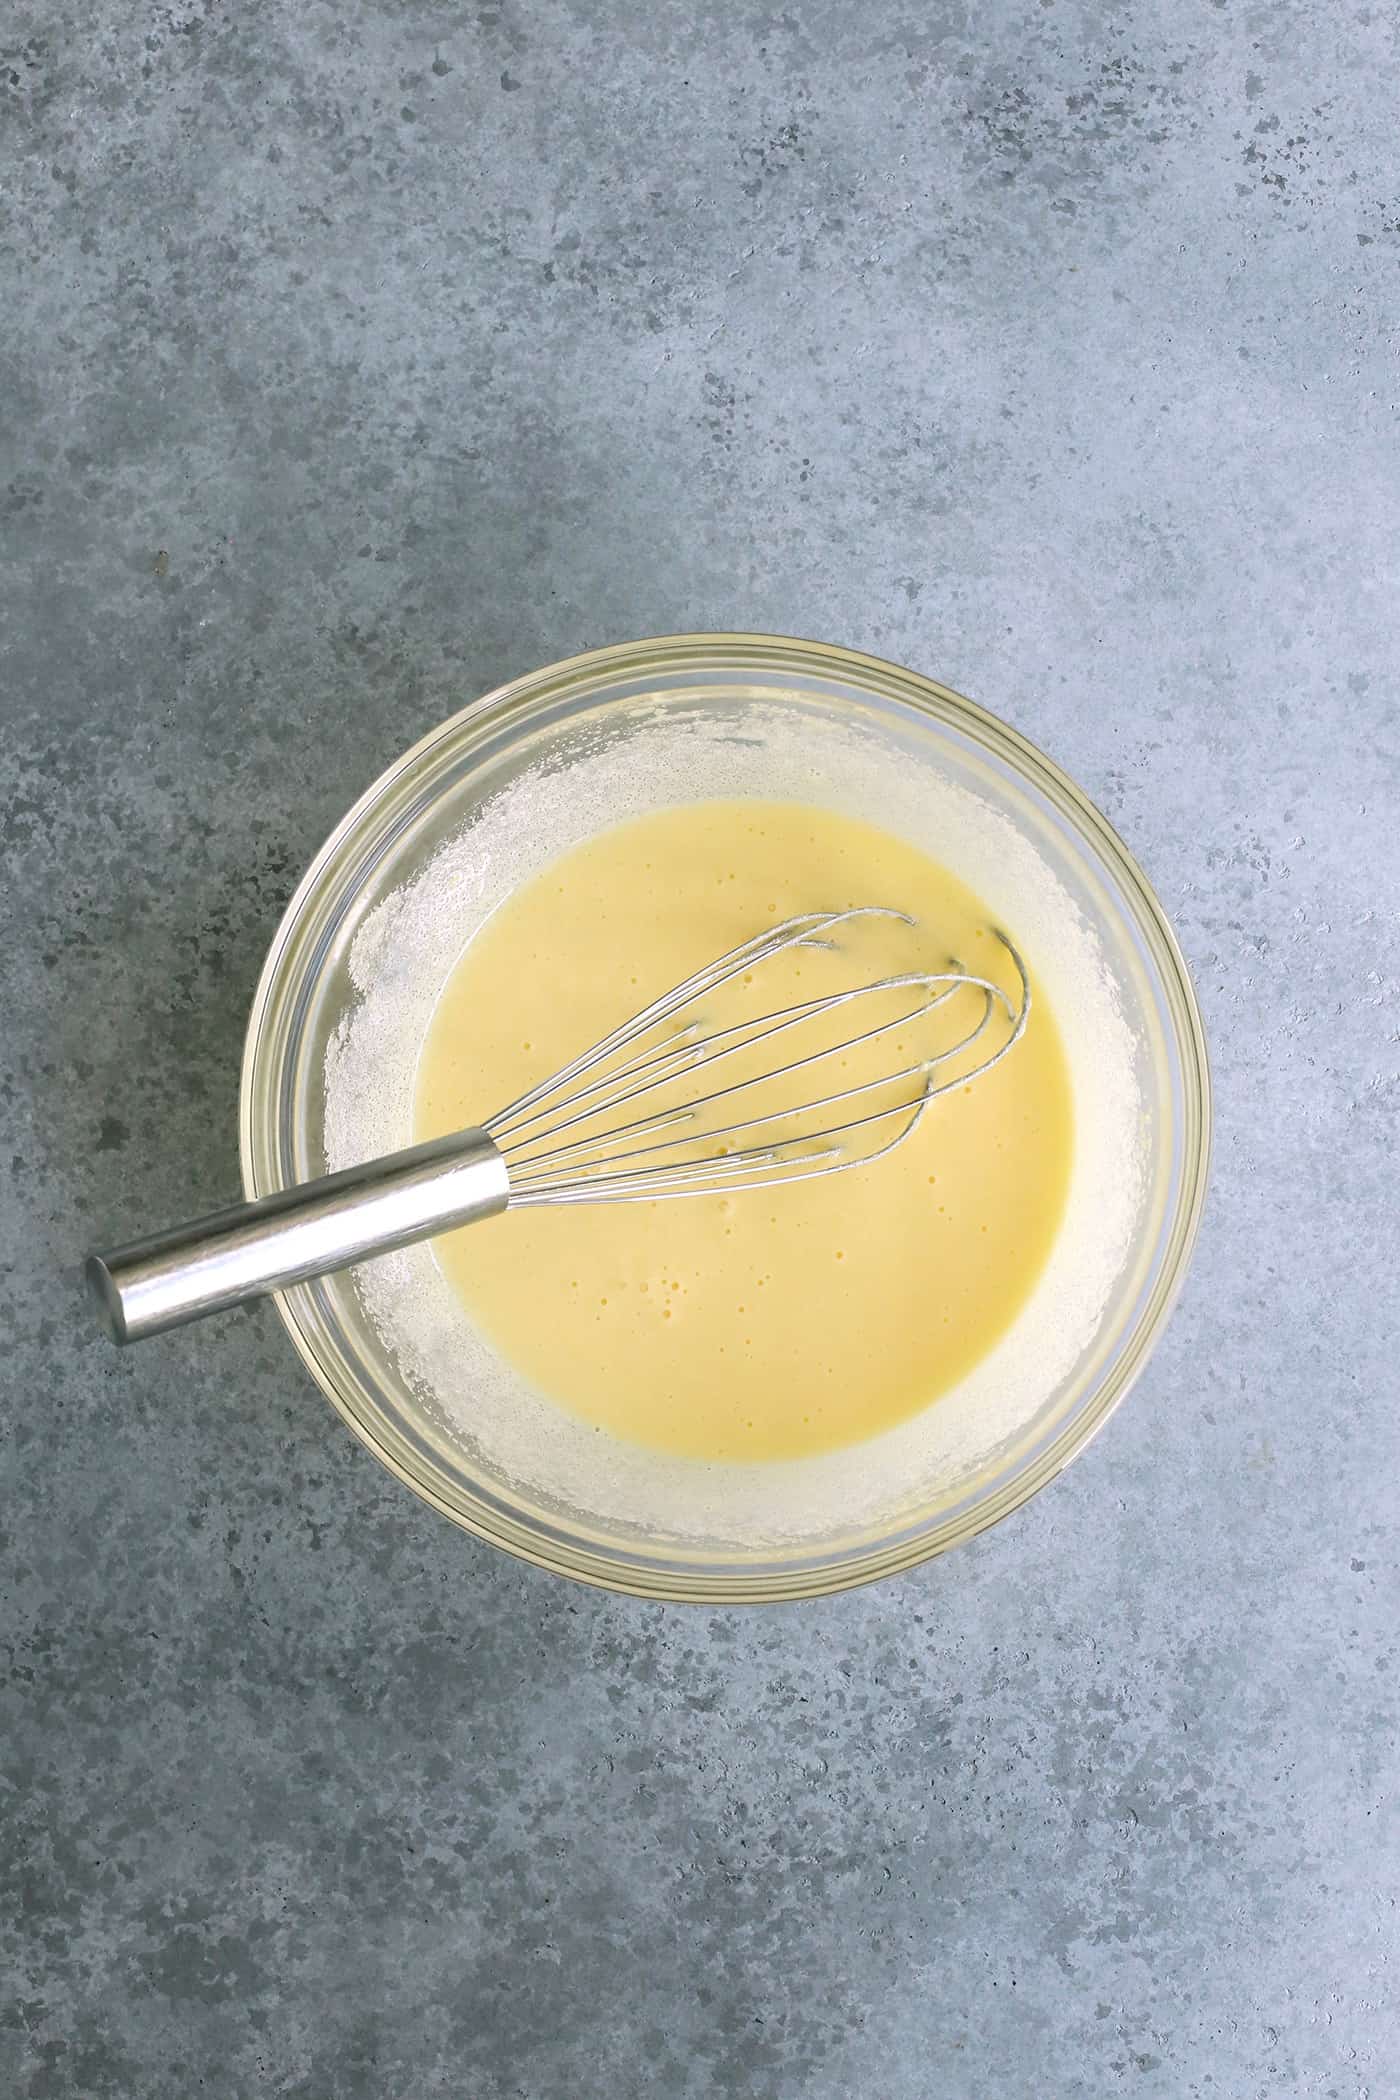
679, 1101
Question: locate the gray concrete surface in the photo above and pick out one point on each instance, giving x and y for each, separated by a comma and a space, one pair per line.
355, 358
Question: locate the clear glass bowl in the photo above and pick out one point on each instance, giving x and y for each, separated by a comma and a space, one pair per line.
607, 695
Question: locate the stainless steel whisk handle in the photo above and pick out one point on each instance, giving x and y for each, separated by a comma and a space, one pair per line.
252, 1248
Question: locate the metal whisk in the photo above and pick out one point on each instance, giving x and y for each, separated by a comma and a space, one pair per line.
645, 1115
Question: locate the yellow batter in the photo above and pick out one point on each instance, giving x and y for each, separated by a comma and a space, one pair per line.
757, 1325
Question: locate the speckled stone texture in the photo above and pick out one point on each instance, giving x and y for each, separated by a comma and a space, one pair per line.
357, 357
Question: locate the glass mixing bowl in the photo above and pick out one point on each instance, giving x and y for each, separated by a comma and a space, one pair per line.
601, 700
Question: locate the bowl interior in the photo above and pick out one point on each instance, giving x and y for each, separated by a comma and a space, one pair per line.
509, 780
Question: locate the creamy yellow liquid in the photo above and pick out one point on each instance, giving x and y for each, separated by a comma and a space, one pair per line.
765, 1324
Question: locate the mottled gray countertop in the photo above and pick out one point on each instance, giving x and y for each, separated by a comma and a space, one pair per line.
358, 357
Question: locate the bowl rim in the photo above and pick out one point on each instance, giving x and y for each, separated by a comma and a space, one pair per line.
744, 652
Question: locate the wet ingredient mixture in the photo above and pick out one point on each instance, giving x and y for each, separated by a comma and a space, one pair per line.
766, 1324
